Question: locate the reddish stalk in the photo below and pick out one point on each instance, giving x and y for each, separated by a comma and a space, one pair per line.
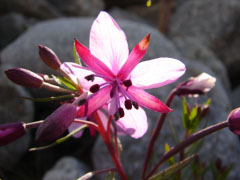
193, 138
110, 147
156, 133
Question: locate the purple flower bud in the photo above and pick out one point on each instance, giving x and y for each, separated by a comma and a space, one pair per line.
57, 123
11, 132
49, 57
234, 121
24, 77
196, 85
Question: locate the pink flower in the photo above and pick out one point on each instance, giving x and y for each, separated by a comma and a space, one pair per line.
115, 77
195, 86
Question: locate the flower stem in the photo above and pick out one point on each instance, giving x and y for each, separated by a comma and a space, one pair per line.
52, 87
156, 133
193, 138
33, 124
107, 140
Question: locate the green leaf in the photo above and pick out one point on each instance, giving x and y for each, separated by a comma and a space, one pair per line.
52, 98
61, 140
76, 56
65, 83
110, 176
167, 173
185, 118
171, 160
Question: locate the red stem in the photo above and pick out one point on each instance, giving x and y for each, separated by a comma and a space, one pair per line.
193, 138
107, 140
156, 133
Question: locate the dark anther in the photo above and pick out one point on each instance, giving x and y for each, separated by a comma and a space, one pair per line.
81, 102
90, 77
128, 104
94, 88
127, 83
116, 116
135, 104
121, 112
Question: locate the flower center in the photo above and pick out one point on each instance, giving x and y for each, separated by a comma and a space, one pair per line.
119, 91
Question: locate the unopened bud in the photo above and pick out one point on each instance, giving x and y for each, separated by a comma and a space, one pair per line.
24, 77
11, 132
234, 121
56, 123
49, 57
196, 85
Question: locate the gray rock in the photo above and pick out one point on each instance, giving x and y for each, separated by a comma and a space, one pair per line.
78, 7
13, 109
223, 142
14, 21
59, 34
192, 48
205, 19
67, 168
235, 97
36, 8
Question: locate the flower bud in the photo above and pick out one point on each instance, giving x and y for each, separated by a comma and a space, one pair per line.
196, 85
49, 57
57, 123
11, 132
234, 121
24, 77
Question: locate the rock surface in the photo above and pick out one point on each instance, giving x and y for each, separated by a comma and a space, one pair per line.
78, 7
35, 8
14, 21
192, 48
67, 168
205, 19
13, 109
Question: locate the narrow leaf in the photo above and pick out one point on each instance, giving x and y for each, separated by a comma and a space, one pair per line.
171, 160
110, 176
61, 140
167, 173
65, 83
76, 56
52, 98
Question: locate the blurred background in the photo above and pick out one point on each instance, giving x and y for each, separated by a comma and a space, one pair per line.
204, 34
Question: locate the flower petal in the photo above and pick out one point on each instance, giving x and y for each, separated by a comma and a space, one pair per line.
108, 42
157, 72
133, 123
78, 73
147, 100
91, 61
135, 56
97, 100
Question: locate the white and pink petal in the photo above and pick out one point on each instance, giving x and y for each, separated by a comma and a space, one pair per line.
147, 100
157, 72
134, 122
108, 42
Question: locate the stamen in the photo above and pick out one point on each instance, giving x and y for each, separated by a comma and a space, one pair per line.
121, 112
116, 116
128, 104
94, 88
90, 77
81, 102
135, 104
127, 83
